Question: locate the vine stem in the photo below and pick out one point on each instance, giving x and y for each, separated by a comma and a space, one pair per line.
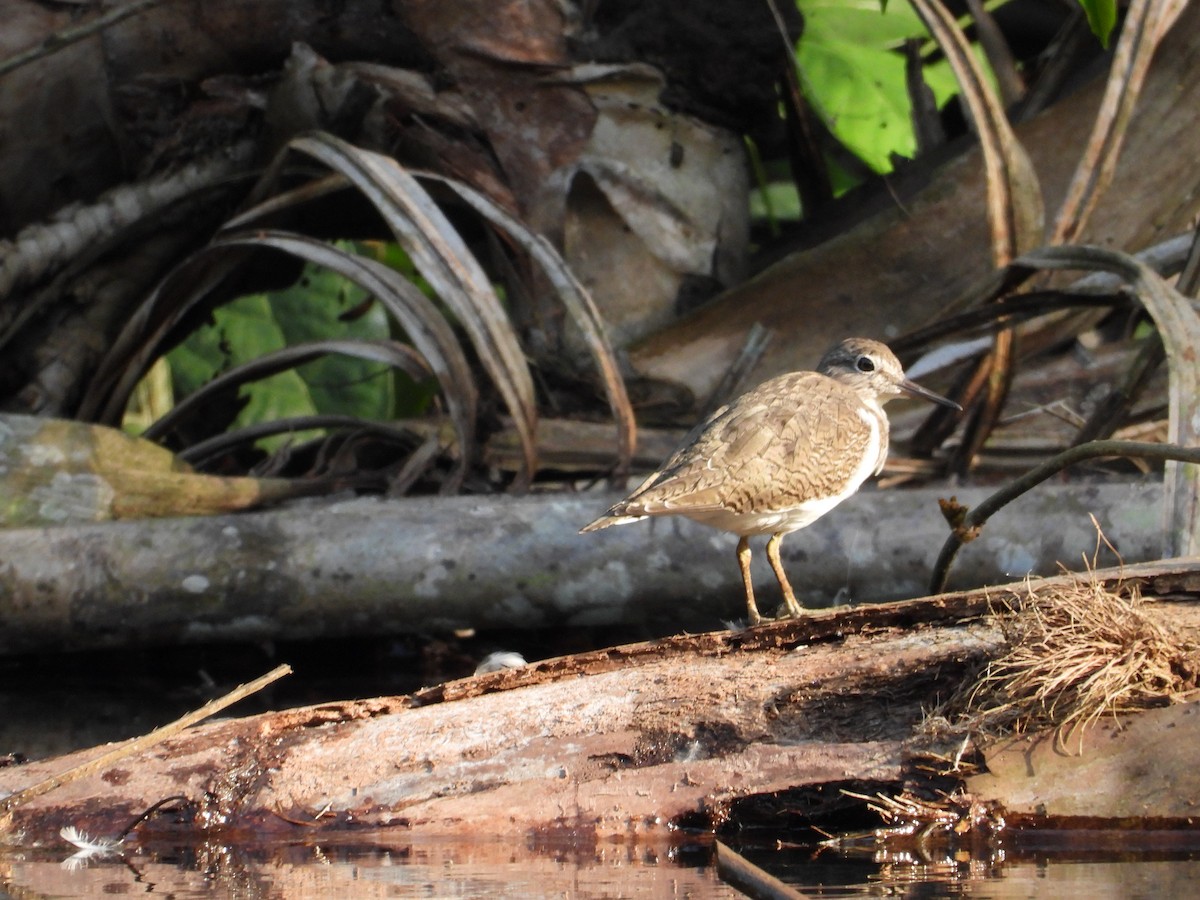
975, 518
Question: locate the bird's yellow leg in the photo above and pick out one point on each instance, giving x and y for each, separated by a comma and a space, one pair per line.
743, 556
795, 610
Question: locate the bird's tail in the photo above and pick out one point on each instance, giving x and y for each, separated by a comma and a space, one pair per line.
608, 520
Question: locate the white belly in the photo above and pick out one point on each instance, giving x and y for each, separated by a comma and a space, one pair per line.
769, 521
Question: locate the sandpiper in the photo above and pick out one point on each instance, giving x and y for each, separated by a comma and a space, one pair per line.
780, 456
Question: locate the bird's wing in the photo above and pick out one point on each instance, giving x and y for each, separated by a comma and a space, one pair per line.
769, 450
825, 448
690, 475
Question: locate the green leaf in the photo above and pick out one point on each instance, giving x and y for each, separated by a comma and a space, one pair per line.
1101, 16
322, 304
241, 330
312, 310
776, 200
854, 76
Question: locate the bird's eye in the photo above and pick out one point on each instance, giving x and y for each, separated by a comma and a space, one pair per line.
865, 364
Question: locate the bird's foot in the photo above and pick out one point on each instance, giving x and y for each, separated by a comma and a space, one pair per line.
792, 606
781, 615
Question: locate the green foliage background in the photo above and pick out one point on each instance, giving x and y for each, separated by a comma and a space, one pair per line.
853, 75
320, 305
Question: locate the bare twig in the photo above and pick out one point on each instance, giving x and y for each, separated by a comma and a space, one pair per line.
976, 517
136, 745
75, 33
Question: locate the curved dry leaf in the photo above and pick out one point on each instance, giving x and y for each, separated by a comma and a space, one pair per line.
313, 189
202, 451
998, 53
1016, 213
440, 254
1146, 23
1015, 207
577, 301
389, 353
416, 313
192, 281
136, 346
1179, 327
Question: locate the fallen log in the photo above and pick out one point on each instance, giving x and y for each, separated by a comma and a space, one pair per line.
628, 742
376, 567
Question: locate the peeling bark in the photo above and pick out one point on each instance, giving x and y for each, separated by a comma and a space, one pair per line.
622, 742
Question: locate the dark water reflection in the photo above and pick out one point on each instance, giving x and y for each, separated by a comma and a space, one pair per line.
1063, 875
368, 870
382, 866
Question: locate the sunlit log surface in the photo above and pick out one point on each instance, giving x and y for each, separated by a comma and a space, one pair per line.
623, 742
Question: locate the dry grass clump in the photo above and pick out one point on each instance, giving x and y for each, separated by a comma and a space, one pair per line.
1076, 651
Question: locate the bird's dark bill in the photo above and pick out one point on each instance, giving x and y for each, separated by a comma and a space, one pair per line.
915, 390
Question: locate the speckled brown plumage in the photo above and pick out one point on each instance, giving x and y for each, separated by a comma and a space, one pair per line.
779, 456
789, 440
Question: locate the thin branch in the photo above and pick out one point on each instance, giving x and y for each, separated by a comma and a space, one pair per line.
968, 528
136, 745
72, 35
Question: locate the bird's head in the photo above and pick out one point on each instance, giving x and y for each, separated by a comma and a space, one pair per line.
871, 369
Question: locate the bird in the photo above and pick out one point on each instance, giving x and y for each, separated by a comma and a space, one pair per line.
780, 456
